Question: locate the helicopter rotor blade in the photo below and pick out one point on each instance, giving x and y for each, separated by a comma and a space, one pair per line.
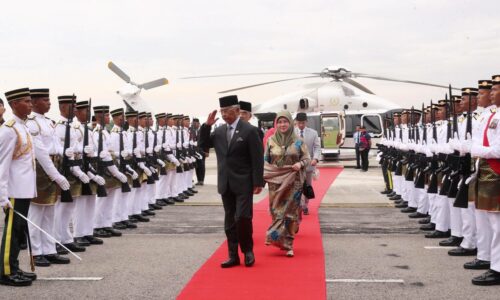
118, 72
358, 85
266, 83
400, 80
153, 84
251, 74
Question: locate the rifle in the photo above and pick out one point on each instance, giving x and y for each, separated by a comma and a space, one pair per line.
462, 197
434, 164
66, 164
178, 153
86, 190
154, 159
151, 179
101, 165
123, 164
422, 159
163, 156
454, 159
135, 183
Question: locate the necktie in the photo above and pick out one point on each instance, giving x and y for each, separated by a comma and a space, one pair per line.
228, 134
302, 133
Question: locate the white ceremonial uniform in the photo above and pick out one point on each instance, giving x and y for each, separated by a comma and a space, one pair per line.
441, 201
42, 214
161, 185
170, 141
104, 205
64, 210
455, 212
121, 201
84, 214
135, 199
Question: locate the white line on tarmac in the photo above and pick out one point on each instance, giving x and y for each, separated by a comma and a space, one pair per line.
438, 247
70, 278
365, 281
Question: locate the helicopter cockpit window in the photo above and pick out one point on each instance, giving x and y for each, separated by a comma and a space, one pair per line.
372, 124
347, 91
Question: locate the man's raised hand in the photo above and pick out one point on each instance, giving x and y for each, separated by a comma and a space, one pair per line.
211, 118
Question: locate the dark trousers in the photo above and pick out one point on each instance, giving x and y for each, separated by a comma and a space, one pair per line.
238, 209
364, 159
200, 170
358, 165
14, 233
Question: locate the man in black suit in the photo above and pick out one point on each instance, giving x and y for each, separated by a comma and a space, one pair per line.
240, 167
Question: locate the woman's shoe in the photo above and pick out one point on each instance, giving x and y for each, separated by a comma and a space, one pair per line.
289, 253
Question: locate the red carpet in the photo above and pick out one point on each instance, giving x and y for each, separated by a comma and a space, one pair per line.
273, 276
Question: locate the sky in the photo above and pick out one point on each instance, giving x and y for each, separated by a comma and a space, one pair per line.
66, 45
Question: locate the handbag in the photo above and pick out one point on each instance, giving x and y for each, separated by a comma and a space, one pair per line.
308, 191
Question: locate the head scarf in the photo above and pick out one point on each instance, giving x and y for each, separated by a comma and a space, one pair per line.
287, 138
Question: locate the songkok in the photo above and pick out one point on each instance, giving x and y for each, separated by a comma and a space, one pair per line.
130, 114
301, 116
495, 79
143, 114
17, 94
484, 84
39, 93
228, 101
117, 112
469, 91
66, 99
246, 106
82, 104
160, 115
101, 109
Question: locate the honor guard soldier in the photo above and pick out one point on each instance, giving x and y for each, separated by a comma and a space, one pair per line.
483, 226
177, 190
152, 151
147, 175
188, 148
48, 181
106, 168
488, 199
134, 137
119, 146
68, 143
17, 185
161, 189
83, 220
169, 148
468, 245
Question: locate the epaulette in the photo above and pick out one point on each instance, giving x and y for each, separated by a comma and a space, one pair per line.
31, 117
493, 110
115, 130
76, 125
10, 123
60, 122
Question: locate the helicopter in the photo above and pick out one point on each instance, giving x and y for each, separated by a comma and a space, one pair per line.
130, 93
334, 106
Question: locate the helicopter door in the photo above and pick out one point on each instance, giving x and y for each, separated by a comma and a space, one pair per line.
373, 124
331, 134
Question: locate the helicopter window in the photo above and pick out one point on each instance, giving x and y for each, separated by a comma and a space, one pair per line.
372, 124
351, 121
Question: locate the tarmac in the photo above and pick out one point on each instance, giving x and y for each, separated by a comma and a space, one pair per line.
372, 251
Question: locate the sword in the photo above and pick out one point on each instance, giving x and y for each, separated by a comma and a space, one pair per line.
51, 237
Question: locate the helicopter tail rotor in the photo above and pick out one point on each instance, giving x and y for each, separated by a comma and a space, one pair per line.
114, 68
153, 84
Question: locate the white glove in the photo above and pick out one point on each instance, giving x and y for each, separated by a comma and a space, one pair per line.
160, 162
134, 173
195, 144
191, 143
124, 153
69, 153
104, 154
146, 170
96, 178
172, 158
5, 203
446, 149
157, 149
137, 152
62, 182
78, 173
466, 145
179, 145
117, 174
166, 147
403, 147
149, 150
153, 170
89, 150
186, 145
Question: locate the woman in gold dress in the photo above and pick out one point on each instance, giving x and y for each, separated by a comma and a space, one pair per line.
286, 158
